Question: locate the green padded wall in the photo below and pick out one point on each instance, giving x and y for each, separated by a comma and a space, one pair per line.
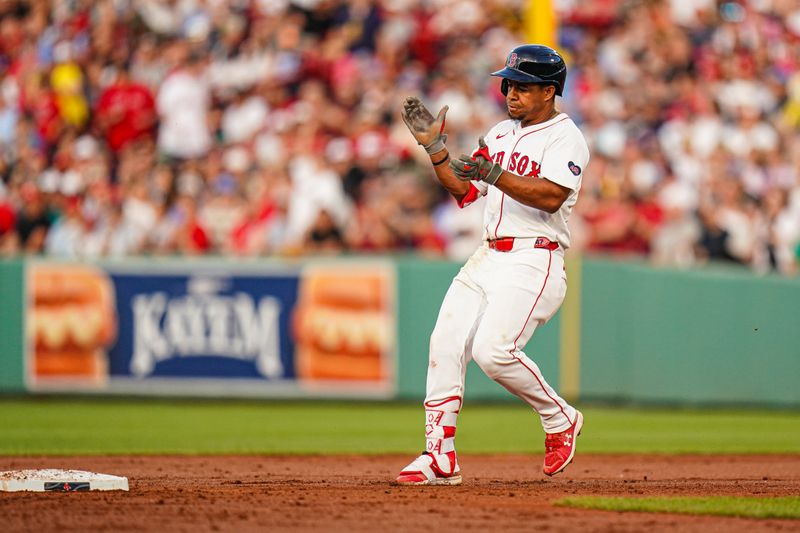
714, 335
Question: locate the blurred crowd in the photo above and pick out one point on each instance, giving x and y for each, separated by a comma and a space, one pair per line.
271, 127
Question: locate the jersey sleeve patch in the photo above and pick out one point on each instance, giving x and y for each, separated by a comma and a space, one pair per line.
565, 158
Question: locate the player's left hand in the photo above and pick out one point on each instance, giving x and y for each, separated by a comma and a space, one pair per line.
477, 167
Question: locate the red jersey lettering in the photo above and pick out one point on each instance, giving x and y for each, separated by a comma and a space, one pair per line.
522, 166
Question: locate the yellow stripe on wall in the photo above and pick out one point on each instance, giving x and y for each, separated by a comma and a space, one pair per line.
540, 22
570, 334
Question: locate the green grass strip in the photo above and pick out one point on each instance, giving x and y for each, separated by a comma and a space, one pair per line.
63, 425
746, 507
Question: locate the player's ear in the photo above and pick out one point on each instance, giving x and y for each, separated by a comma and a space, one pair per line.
549, 92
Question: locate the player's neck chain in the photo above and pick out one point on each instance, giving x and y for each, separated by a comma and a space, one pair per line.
553, 115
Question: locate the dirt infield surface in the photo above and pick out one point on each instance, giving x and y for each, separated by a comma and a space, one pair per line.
323, 493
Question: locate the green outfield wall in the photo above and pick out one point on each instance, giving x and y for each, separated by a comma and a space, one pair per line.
627, 332
703, 336
11, 326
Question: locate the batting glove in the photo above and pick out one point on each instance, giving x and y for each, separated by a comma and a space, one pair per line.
477, 167
428, 131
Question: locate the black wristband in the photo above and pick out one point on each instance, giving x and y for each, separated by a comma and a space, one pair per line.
446, 157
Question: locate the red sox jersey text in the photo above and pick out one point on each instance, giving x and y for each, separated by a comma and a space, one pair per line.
555, 150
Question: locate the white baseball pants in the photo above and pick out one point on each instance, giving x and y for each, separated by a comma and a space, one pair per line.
489, 313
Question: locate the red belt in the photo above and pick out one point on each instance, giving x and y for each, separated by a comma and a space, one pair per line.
506, 244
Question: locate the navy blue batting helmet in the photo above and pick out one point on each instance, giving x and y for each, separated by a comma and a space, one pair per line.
534, 63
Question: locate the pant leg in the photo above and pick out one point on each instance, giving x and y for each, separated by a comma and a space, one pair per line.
450, 345
451, 340
523, 290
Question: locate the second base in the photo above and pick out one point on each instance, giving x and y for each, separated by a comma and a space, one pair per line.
54, 480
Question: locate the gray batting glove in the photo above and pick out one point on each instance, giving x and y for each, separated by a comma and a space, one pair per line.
477, 167
428, 131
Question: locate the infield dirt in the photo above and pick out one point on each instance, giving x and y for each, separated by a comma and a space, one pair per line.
353, 493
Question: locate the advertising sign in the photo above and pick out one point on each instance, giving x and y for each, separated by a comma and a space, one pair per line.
324, 329
344, 325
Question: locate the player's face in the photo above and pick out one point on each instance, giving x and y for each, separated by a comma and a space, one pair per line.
528, 101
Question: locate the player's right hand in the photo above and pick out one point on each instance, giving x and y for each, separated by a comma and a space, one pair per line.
479, 166
427, 130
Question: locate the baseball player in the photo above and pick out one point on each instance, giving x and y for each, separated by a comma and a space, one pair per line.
529, 167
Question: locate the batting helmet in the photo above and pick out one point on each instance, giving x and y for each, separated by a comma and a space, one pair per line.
534, 63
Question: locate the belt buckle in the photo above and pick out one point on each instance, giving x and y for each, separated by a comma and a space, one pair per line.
505, 244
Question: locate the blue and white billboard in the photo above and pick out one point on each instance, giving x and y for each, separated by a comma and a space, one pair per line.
199, 329
204, 326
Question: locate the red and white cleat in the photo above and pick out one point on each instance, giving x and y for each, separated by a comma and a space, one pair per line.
560, 447
425, 471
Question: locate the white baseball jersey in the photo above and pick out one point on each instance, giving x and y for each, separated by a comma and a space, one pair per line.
500, 297
555, 150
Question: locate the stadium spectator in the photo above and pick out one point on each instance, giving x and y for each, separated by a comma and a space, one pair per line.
32, 221
125, 111
183, 103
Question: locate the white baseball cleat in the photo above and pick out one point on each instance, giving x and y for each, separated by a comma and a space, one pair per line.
424, 470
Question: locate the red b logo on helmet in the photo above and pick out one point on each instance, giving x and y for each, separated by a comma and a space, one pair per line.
512, 60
